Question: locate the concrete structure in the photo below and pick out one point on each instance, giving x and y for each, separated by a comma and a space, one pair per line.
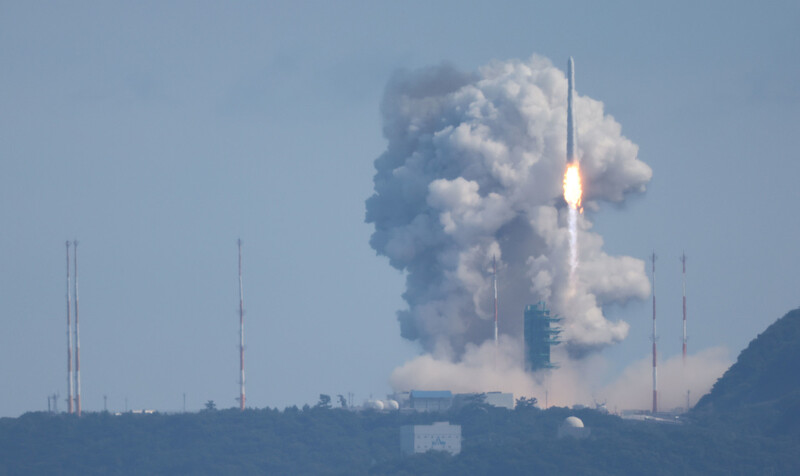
572, 427
439, 400
441, 436
402, 398
672, 418
431, 401
500, 400
539, 335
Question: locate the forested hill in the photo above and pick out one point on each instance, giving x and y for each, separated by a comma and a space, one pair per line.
763, 386
748, 424
330, 441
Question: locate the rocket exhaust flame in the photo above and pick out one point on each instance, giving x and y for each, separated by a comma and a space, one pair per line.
573, 190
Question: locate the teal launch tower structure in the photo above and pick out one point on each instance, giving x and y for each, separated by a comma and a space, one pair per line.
540, 335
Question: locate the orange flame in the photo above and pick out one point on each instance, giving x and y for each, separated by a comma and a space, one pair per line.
573, 191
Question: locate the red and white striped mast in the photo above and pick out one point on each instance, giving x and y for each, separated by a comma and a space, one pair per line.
683, 261
688, 394
69, 338
655, 367
77, 338
241, 332
494, 283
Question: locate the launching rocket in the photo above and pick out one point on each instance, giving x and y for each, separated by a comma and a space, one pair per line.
571, 158
573, 189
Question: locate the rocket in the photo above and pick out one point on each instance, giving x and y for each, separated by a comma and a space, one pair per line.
571, 158
573, 190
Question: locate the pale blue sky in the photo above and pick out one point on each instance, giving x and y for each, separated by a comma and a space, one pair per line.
157, 133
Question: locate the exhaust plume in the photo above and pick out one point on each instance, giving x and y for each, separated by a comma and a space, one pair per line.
575, 382
632, 389
474, 169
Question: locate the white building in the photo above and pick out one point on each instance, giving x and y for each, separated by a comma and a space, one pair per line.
431, 401
441, 436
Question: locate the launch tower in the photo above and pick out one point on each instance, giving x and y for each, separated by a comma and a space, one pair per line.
540, 335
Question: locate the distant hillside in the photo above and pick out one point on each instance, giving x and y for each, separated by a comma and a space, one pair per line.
764, 383
326, 441
748, 424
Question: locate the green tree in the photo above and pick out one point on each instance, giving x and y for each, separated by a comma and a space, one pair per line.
324, 401
525, 403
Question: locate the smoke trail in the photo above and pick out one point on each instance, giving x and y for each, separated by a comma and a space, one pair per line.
573, 244
474, 168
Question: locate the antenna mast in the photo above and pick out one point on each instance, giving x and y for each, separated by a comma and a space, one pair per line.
69, 338
494, 282
77, 337
688, 398
655, 371
241, 332
683, 261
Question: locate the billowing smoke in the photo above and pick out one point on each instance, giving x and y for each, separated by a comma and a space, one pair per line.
481, 370
575, 382
474, 169
702, 369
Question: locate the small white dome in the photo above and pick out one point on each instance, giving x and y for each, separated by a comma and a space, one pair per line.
374, 404
391, 405
573, 422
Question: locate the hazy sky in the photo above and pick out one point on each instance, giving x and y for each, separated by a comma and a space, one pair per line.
157, 133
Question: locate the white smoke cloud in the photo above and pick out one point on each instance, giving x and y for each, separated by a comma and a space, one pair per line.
575, 382
634, 388
481, 370
473, 169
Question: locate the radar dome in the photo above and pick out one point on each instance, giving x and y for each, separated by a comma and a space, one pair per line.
573, 422
572, 427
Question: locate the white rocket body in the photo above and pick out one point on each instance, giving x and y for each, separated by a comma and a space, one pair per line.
571, 139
